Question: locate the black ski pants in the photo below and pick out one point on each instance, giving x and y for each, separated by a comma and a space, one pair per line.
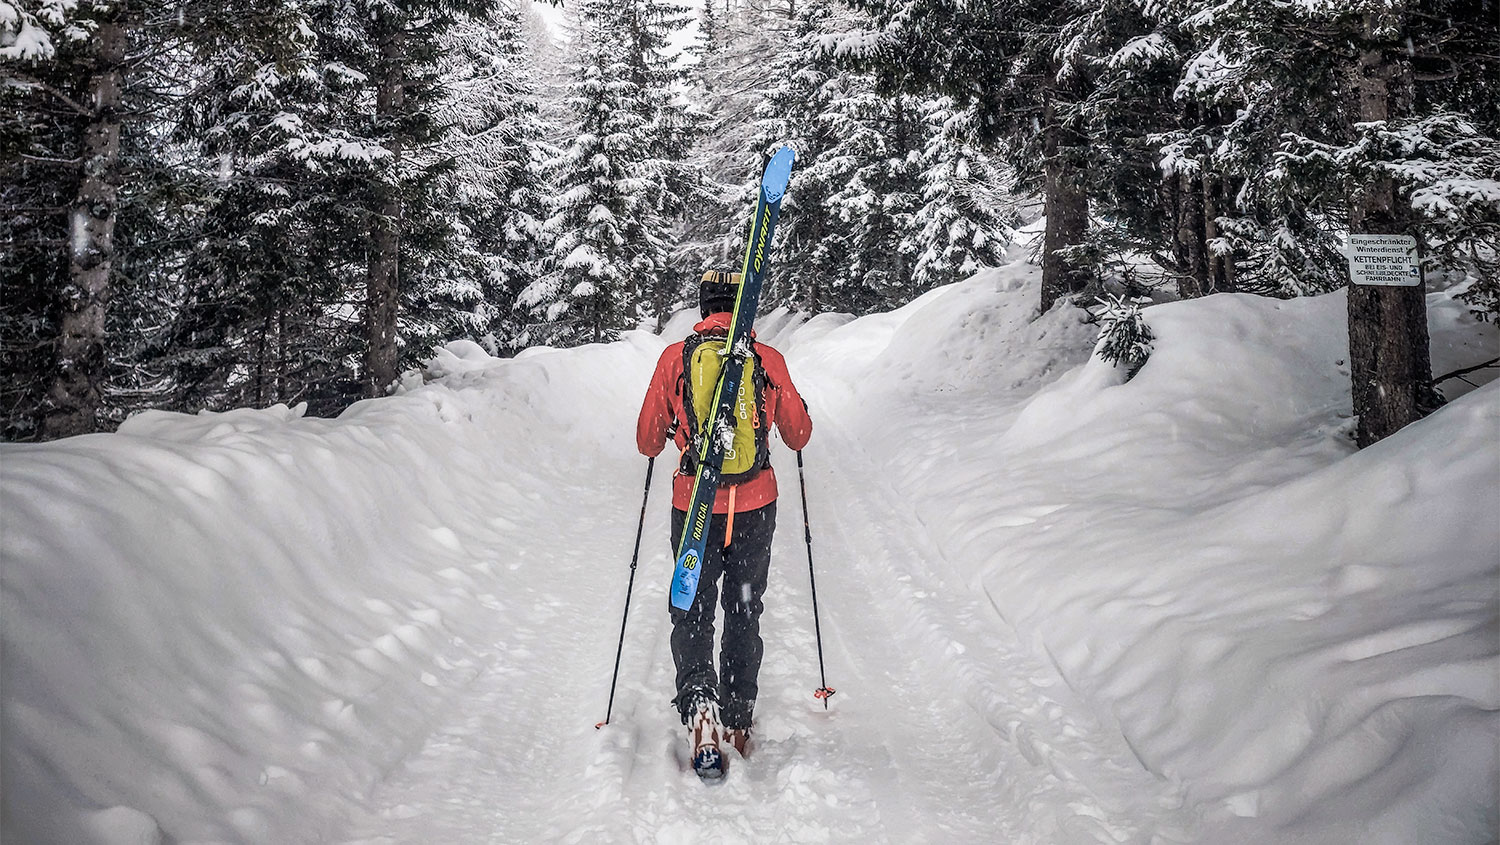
743, 566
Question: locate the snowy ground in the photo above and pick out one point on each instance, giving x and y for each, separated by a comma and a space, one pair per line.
1057, 608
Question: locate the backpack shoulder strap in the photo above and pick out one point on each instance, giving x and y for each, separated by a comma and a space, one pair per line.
689, 343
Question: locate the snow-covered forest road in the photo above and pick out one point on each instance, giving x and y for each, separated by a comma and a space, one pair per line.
1057, 608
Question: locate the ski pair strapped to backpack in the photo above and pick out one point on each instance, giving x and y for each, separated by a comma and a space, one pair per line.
738, 353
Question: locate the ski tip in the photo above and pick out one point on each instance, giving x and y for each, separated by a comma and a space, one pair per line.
778, 173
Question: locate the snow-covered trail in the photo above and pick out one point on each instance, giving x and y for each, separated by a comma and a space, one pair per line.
518, 760
944, 729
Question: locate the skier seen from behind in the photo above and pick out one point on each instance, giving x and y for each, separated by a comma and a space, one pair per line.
739, 539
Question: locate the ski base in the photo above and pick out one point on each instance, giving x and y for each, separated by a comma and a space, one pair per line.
685, 581
694, 543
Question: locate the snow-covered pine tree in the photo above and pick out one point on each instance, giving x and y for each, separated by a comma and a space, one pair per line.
1253, 73
622, 182
601, 210
1125, 339
813, 248
39, 155
733, 57
829, 252
264, 312
1022, 68
968, 213
393, 51
1146, 177
154, 187
676, 187
880, 140
303, 161
1352, 118
65, 77
1390, 359
497, 188
880, 181
549, 57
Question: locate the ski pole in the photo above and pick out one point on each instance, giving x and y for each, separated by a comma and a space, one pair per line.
634, 559
824, 691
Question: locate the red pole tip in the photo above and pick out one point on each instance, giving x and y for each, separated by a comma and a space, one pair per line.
600, 725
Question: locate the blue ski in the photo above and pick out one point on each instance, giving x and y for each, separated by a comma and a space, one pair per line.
700, 512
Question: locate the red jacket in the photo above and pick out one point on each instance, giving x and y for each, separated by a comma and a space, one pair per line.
664, 405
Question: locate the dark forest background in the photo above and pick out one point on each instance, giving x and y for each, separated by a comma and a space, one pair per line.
210, 204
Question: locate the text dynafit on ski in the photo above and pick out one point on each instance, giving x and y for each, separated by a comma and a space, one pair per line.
719, 393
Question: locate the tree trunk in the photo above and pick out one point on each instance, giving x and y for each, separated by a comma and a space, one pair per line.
261, 349
383, 280
662, 298
281, 373
1067, 207
1389, 359
1192, 281
1190, 235
77, 390
1219, 267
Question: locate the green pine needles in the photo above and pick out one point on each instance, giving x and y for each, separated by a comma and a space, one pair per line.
1124, 338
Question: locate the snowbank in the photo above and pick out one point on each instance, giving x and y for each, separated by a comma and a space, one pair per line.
1306, 637
228, 627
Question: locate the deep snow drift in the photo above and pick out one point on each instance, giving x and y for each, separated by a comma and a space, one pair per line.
1058, 607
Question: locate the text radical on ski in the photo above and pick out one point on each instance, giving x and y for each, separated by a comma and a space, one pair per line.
700, 513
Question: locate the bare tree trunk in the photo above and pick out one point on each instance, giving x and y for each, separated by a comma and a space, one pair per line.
662, 299
77, 390
383, 279
1219, 267
1190, 235
260, 361
1192, 280
1067, 207
281, 364
1168, 201
1389, 359
813, 302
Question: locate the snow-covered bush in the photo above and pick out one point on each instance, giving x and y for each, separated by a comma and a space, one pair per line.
1124, 338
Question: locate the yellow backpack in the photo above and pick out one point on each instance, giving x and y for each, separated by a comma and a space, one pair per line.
748, 451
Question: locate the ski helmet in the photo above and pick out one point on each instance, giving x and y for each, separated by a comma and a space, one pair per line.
718, 291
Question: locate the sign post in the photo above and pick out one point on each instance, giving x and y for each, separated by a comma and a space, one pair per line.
1386, 260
